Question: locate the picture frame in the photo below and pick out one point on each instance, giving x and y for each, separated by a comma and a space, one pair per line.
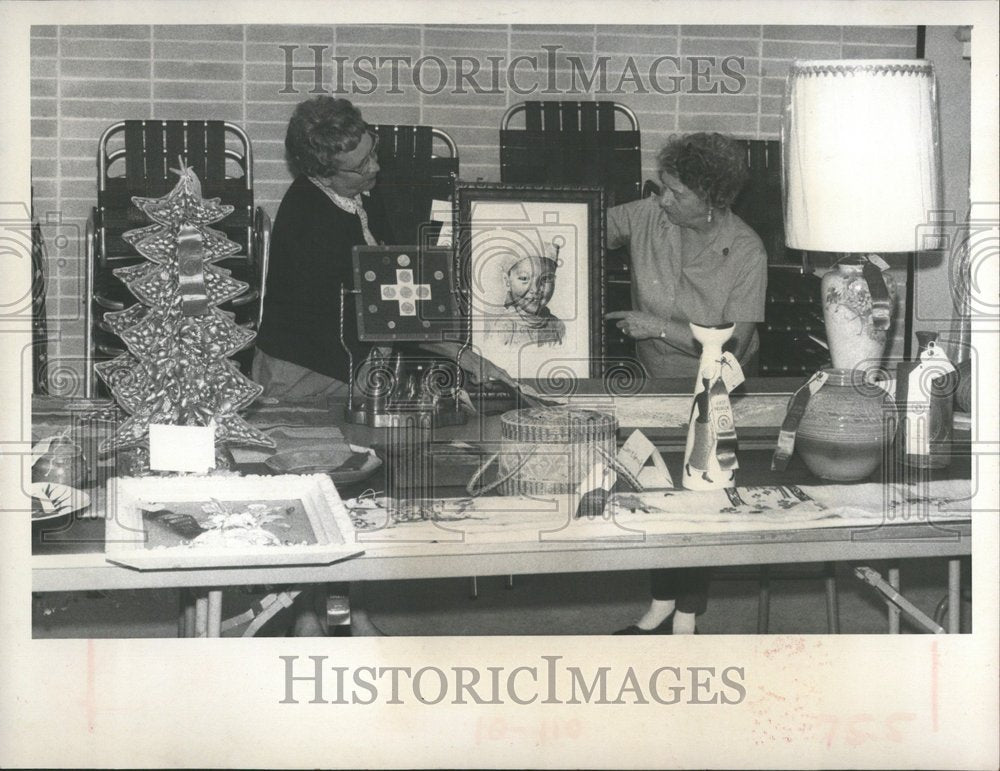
404, 293
530, 272
163, 523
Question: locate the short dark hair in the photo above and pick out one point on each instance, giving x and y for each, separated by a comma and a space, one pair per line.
711, 165
320, 129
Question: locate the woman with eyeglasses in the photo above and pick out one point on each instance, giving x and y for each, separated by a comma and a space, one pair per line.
331, 207
693, 260
327, 211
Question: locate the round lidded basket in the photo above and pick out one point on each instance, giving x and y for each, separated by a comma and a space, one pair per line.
551, 450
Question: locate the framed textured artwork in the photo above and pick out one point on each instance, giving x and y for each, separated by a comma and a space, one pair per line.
160, 523
530, 268
404, 293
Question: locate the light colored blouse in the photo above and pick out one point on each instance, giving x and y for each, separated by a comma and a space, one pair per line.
726, 281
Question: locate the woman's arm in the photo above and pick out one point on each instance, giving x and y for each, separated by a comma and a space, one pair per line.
747, 301
478, 366
619, 227
640, 325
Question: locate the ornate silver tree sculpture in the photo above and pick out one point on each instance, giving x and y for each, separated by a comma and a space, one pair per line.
176, 370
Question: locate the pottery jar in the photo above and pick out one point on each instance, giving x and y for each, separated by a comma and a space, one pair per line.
851, 332
64, 464
846, 427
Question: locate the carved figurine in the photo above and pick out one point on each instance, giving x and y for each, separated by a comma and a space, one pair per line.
710, 452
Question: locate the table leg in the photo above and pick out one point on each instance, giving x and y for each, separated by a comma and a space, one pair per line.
893, 575
181, 614
954, 596
832, 611
214, 611
201, 615
187, 596
338, 607
763, 599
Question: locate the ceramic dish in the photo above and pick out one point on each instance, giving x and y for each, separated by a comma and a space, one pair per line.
337, 464
50, 500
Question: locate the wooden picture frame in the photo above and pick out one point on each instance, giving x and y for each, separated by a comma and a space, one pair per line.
162, 523
502, 231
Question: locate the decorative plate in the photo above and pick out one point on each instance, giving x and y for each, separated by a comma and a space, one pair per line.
340, 466
50, 500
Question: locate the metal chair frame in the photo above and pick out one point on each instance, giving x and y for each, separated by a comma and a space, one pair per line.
572, 118
448, 141
433, 171
523, 106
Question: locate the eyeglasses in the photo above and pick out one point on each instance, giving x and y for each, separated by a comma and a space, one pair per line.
365, 166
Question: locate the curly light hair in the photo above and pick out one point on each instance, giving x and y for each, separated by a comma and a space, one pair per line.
712, 165
320, 129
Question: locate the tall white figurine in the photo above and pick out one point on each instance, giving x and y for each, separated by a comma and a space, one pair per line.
710, 452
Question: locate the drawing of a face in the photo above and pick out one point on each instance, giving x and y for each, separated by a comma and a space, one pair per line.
530, 284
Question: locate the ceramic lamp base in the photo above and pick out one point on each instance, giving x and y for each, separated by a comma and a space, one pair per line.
856, 340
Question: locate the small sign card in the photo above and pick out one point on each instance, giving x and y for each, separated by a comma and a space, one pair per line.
631, 459
181, 448
633, 456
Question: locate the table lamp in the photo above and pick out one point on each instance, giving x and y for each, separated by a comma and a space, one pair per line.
860, 176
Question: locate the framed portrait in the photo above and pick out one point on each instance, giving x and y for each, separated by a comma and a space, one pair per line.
160, 523
531, 277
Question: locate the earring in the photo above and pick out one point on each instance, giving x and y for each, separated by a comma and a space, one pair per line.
709, 213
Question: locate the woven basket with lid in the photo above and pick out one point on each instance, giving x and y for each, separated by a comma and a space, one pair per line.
551, 450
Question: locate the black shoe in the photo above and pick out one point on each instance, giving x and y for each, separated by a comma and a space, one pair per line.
665, 627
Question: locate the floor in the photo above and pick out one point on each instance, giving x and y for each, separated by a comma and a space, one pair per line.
559, 604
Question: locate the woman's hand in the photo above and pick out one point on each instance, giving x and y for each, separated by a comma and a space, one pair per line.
478, 367
638, 325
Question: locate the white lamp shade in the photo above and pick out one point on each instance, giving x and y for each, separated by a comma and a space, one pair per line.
861, 168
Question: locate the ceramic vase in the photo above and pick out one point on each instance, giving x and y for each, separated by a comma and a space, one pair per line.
846, 427
701, 465
854, 337
63, 464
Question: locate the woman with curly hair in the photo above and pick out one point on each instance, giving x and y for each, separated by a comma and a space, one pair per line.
693, 260
325, 212
332, 206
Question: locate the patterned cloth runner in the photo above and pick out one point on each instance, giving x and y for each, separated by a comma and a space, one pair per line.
511, 520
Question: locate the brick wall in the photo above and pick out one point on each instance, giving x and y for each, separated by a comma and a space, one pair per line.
85, 77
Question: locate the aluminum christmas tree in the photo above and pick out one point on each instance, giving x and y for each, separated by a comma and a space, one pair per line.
176, 370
